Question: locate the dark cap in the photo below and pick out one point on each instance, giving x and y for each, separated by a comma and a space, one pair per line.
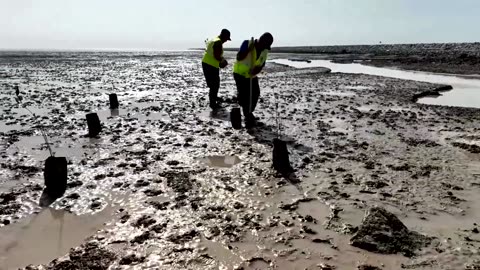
267, 40
225, 34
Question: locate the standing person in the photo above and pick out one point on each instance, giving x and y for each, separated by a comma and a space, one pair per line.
212, 62
250, 61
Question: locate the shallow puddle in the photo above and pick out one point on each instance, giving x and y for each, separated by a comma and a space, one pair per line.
103, 115
221, 253
465, 93
44, 237
447, 226
221, 114
35, 147
221, 161
338, 125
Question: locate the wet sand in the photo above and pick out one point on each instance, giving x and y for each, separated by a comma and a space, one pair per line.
355, 141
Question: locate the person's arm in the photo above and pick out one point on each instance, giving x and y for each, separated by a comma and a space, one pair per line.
257, 69
217, 51
243, 52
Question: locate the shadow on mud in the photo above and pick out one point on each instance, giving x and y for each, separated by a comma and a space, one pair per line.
265, 134
45, 199
221, 114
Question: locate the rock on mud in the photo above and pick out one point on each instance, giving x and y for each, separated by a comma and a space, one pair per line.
382, 232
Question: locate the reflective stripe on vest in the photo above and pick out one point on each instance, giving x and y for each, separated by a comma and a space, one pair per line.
209, 57
244, 66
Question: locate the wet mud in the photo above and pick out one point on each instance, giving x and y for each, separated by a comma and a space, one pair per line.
187, 191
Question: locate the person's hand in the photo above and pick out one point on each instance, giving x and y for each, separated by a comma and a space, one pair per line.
255, 70
224, 63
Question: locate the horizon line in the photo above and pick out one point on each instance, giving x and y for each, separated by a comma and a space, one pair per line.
197, 49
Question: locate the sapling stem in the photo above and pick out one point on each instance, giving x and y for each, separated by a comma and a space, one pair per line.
44, 134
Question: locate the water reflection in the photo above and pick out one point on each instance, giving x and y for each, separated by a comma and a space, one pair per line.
221, 161
114, 112
46, 236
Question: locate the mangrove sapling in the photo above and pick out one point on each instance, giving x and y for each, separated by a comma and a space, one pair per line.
19, 99
55, 172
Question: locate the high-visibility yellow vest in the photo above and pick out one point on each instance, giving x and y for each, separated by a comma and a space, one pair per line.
209, 57
243, 67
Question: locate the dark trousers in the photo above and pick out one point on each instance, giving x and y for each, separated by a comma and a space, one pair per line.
212, 76
243, 94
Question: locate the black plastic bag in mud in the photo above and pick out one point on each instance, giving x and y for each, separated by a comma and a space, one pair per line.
55, 176
94, 126
113, 99
281, 160
236, 118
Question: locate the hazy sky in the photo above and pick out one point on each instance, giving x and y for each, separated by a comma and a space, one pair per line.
181, 24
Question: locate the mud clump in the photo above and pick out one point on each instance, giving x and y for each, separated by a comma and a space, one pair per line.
294, 205
74, 184
183, 238
141, 183
382, 232
125, 218
73, 196
418, 142
131, 259
429, 93
173, 163
432, 93
140, 239
472, 148
9, 209
444, 88
95, 205
7, 197
22, 169
159, 205
153, 192
368, 267
180, 182
474, 266
144, 221
91, 256
159, 228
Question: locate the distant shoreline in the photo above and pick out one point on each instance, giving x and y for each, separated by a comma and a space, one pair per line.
453, 58
92, 50
332, 48
287, 49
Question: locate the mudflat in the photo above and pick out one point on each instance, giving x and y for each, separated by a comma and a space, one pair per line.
381, 182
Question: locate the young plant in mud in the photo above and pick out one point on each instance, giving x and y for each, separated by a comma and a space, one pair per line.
19, 99
55, 172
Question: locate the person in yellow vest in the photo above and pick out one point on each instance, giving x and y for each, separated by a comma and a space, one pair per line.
212, 62
251, 59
